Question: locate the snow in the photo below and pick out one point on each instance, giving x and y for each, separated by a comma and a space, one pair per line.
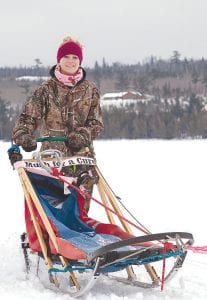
119, 95
32, 78
162, 182
120, 102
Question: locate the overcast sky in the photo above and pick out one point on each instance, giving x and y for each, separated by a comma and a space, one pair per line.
126, 31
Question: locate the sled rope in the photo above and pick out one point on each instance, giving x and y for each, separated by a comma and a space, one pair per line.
120, 202
198, 249
70, 269
55, 172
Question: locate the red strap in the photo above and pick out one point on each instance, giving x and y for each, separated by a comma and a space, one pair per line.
56, 173
198, 249
166, 247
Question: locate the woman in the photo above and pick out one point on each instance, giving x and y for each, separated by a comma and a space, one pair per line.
67, 104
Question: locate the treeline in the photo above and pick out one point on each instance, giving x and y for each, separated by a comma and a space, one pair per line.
177, 88
8, 115
160, 118
175, 76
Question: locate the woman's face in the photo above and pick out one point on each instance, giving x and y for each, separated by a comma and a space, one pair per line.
69, 64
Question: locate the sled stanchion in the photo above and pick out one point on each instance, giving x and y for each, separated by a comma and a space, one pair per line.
36, 224
130, 272
104, 197
150, 270
29, 191
105, 202
112, 201
71, 274
37, 204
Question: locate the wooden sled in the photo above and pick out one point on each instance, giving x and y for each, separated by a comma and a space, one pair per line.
56, 232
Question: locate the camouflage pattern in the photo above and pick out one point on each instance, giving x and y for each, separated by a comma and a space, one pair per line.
56, 109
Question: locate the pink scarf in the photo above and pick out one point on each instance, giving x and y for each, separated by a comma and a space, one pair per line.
69, 80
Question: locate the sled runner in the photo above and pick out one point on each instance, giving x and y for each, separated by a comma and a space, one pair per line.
80, 248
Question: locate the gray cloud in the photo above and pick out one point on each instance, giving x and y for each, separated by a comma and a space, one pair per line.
127, 31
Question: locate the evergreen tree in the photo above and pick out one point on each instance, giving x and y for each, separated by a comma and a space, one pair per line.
4, 120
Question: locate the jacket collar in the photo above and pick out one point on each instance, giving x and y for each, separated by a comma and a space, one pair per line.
52, 74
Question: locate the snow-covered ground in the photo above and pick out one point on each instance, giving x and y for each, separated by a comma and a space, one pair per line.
162, 182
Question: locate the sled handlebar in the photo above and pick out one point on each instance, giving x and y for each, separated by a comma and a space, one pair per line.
55, 154
49, 138
57, 138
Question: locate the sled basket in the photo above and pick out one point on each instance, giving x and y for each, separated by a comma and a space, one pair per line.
58, 234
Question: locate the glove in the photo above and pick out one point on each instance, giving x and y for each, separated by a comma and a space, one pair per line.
14, 154
78, 139
75, 141
28, 142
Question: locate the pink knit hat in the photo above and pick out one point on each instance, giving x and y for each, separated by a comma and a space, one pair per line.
70, 48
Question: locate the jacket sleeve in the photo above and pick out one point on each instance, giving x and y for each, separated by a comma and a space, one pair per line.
32, 113
94, 123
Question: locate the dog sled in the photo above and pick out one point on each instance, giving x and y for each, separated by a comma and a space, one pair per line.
77, 249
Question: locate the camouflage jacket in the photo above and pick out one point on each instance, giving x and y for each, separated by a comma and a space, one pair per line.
56, 109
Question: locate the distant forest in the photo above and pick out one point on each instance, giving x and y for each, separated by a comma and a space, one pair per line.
176, 87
